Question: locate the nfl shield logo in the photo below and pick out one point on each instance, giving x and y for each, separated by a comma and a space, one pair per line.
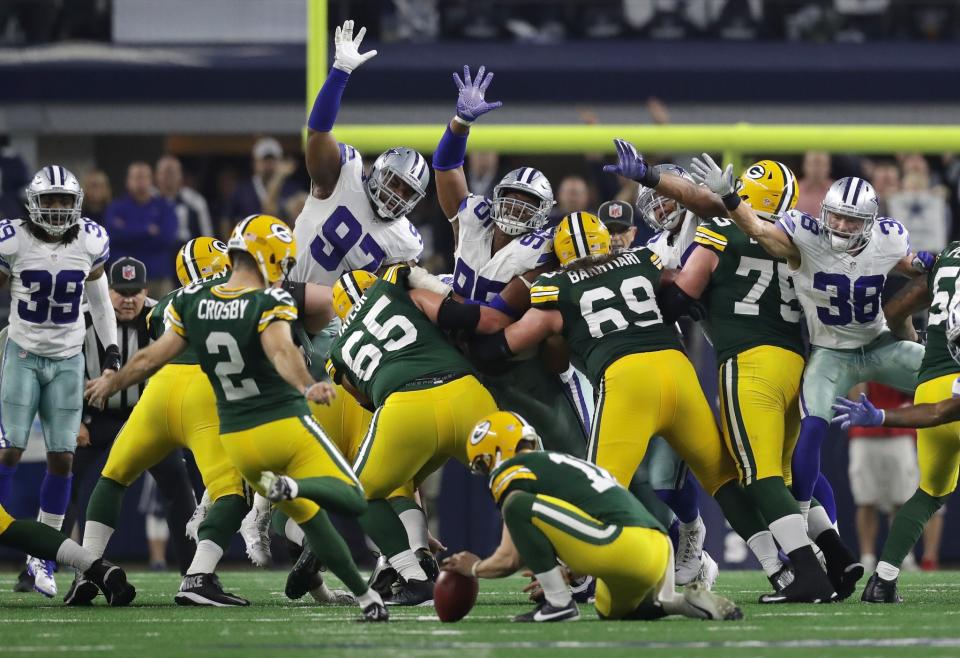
616, 210
128, 272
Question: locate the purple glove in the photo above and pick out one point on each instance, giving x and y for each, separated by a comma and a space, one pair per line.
632, 165
923, 261
470, 103
861, 413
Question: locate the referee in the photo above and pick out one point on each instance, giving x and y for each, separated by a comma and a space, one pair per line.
128, 283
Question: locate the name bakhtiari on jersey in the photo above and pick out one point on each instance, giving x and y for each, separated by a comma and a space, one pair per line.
386, 343
750, 300
343, 231
609, 310
673, 247
841, 292
480, 274
942, 285
223, 326
585, 485
46, 285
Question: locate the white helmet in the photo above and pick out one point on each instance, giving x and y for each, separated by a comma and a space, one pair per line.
395, 164
515, 216
54, 179
953, 330
853, 198
661, 213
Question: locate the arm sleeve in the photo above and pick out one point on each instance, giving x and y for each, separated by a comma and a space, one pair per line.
104, 317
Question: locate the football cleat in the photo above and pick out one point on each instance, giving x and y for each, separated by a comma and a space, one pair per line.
81, 592
782, 578
375, 612
842, 566
112, 581
803, 590
255, 530
412, 593
326, 596
277, 487
690, 563
42, 572
192, 528
204, 589
709, 571
544, 612
428, 563
383, 578
879, 590
583, 589
24, 582
704, 604
301, 578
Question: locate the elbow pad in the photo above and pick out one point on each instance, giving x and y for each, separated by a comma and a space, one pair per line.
490, 347
674, 303
454, 316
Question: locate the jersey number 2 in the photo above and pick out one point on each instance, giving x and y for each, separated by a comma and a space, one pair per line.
218, 343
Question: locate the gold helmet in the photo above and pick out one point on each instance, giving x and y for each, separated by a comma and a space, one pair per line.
269, 241
580, 234
348, 290
200, 258
495, 439
769, 187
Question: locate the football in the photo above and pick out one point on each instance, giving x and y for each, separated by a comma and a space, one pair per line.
454, 596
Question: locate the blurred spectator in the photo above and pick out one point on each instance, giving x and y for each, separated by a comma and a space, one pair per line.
815, 182
193, 216
482, 172
885, 177
661, 19
144, 225
921, 207
861, 20
14, 176
267, 189
294, 206
572, 195
617, 216
97, 194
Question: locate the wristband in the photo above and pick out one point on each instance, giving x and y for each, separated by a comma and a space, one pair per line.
307, 388
650, 178
111, 358
451, 150
462, 121
473, 569
731, 201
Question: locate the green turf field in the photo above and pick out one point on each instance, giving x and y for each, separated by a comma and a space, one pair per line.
928, 624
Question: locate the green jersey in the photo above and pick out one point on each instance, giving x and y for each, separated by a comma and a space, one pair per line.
156, 324
942, 285
609, 309
223, 326
573, 480
750, 300
386, 344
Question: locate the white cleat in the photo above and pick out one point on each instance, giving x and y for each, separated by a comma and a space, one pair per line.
709, 570
42, 572
701, 603
255, 530
689, 560
199, 514
338, 597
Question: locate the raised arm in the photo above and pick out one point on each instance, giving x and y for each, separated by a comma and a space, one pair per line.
448, 158
323, 152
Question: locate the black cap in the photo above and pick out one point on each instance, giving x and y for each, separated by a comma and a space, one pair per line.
128, 274
617, 216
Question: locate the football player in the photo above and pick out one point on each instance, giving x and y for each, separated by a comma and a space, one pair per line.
557, 507
937, 413
605, 306
52, 259
502, 245
392, 357
839, 263
240, 331
753, 320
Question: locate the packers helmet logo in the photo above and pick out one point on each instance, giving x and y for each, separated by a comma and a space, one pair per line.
755, 172
219, 246
479, 432
281, 233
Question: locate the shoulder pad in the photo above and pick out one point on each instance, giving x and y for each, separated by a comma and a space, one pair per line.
9, 242
96, 241
348, 153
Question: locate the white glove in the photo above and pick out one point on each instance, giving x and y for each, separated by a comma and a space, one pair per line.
348, 55
707, 172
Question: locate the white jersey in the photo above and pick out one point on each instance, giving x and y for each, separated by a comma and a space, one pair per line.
672, 247
839, 292
46, 285
343, 231
479, 274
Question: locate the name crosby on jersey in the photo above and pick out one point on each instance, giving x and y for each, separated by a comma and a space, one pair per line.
628, 258
210, 309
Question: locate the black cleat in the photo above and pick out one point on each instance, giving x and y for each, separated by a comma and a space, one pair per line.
383, 578
428, 563
879, 590
545, 612
24, 582
112, 581
843, 568
303, 575
375, 612
412, 593
782, 578
205, 589
82, 592
804, 590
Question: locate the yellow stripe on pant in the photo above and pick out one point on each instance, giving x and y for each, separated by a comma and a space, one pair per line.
5, 520
178, 409
657, 393
938, 448
627, 568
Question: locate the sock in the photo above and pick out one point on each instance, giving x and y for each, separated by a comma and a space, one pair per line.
790, 532
806, 456
96, 536
333, 495
54, 498
383, 526
74, 555
278, 522
105, 503
222, 522
818, 522
536, 551
765, 549
34, 538
407, 565
368, 598
6, 482
207, 557
683, 501
823, 492
555, 587
414, 520
887, 571
329, 547
804, 506
293, 532
908, 526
